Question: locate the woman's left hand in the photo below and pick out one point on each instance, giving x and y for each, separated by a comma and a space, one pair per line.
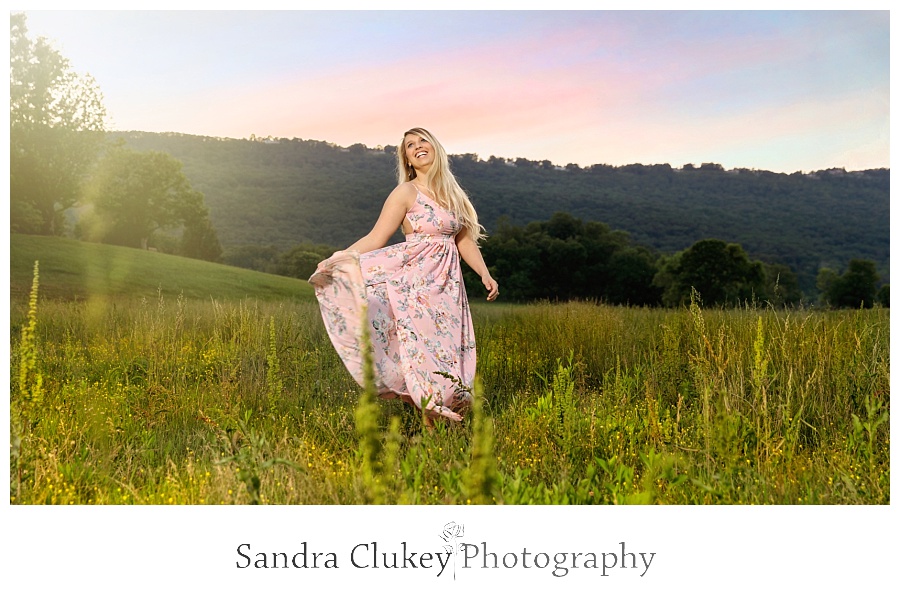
491, 286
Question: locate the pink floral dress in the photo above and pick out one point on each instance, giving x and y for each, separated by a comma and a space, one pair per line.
415, 304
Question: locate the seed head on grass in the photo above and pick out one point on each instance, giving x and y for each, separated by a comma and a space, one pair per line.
481, 479
366, 417
31, 388
30, 380
274, 384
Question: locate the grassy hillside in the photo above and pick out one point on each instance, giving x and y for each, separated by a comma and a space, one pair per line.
73, 270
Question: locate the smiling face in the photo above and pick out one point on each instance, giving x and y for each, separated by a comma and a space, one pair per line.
419, 152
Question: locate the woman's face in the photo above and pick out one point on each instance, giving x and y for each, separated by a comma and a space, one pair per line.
419, 152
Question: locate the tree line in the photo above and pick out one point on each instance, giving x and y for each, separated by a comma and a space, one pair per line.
282, 192
565, 258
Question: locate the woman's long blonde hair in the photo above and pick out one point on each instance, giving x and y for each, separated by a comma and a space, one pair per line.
440, 180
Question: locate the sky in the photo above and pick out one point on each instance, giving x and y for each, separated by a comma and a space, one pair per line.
783, 91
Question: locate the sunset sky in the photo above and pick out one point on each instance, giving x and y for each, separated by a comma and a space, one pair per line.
780, 91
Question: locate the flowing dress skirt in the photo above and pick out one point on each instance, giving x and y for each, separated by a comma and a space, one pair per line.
412, 297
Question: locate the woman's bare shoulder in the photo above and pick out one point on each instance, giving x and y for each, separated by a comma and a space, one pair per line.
407, 188
404, 193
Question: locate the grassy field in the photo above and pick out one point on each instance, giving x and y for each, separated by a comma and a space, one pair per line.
182, 385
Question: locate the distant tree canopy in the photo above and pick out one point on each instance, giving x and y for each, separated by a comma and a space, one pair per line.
856, 287
251, 256
133, 195
299, 261
781, 287
884, 295
56, 128
280, 192
199, 239
720, 272
566, 258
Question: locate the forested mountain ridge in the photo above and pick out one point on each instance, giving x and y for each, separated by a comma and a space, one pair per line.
281, 192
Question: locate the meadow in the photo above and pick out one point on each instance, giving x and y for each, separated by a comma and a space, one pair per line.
163, 398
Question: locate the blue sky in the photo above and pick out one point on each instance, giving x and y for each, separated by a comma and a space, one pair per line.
776, 90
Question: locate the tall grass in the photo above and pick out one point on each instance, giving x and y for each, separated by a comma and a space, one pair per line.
190, 401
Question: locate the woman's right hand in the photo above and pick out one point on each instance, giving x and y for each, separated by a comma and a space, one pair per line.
491, 286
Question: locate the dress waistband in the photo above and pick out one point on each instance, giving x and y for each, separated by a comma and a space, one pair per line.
429, 238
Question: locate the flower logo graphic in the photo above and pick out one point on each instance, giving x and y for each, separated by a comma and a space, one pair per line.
450, 533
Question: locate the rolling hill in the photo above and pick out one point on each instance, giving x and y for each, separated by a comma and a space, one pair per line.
74, 270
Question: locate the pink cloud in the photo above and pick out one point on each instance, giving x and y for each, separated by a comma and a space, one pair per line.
484, 90
568, 96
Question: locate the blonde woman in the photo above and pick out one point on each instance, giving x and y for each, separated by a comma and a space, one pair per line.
412, 292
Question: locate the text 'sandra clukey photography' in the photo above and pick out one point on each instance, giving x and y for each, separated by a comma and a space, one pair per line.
453, 555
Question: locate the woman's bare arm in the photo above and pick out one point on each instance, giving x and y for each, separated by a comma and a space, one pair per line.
471, 254
392, 214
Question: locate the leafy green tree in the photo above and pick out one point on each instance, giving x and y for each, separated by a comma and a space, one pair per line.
884, 296
721, 272
511, 254
631, 277
135, 194
855, 288
57, 123
825, 279
566, 258
666, 279
199, 239
781, 287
